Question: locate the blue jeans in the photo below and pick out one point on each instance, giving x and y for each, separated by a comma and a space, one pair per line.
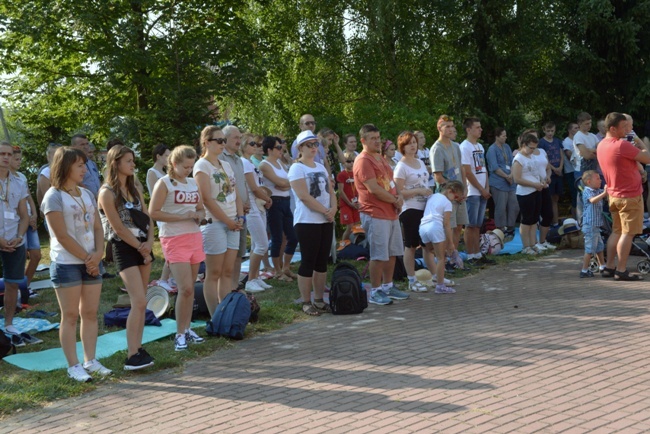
476, 210
280, 220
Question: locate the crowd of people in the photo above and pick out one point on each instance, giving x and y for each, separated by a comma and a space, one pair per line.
206, 202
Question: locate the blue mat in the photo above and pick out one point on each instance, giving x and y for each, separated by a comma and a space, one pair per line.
514, 246
107, 345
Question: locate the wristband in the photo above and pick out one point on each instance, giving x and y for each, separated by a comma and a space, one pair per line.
241, 217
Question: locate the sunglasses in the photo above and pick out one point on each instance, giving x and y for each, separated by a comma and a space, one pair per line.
255, 144
349, 161
279, 148
219, 140
310, 144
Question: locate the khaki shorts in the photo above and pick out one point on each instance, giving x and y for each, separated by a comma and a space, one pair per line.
459, 215
627, 214
384, 237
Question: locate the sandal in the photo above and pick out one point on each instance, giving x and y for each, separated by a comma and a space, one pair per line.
608, 272
290, 274
283, 278
626, 276
309, 309
322, 307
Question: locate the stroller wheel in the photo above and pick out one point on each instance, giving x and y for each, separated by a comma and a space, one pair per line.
593, 265
643, 267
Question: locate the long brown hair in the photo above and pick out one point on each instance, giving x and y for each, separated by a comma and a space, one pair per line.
112, 162
64, 158
206, 133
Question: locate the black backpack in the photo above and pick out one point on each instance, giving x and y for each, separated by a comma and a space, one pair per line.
6, 346
347, 295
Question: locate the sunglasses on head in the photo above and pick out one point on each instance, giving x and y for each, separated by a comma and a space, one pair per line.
219, 140
282, 142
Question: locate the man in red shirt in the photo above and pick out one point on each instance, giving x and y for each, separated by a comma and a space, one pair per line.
619, 161
379, 203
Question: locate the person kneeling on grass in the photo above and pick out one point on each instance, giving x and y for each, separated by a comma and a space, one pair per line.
435, 229
592, 220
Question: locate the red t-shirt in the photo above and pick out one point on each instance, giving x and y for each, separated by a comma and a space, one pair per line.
347, 179
366, 167
616, 158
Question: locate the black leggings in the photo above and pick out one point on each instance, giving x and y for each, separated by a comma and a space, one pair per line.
315, 245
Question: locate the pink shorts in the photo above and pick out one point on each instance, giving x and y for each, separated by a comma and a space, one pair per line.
186, 248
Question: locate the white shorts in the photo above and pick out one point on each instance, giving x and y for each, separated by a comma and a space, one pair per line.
432, 232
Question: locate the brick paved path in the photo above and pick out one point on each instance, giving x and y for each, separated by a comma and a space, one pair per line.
530, 348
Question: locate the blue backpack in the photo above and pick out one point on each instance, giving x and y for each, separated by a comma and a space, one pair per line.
231, 317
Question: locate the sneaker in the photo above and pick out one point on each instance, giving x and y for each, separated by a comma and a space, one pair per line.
549, 246
78, 373
529, 251
379, 298
180, 344
29, 339
263, 284
539, 247
444, 289
447, 282
396, 294
417, 287
191, 336
16, 339
139, 360
253, 286
587, 273
165, 285
95, 367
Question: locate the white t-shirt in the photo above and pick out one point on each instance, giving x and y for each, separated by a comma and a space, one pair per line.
46, 172
529, 172
318, 185
435, 209
24, 179
589, 140
542, 163
280, 173
413, 178
567, 145
257, 175
158, 174
79, 217
222, 186
474, 156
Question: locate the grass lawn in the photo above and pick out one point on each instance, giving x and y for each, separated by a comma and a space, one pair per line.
21, 389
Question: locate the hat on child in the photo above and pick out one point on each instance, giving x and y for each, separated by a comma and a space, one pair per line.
568, 226
499, 233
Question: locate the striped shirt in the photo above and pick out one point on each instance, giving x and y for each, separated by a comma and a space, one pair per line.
593, 212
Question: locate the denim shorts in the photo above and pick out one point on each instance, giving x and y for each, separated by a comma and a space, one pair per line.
31, 239
217, 238
67, 275
13, 265
593, 241
476, 210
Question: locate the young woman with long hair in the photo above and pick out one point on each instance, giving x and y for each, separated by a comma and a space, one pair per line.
216, 181
76, 250
123, 213
176, 203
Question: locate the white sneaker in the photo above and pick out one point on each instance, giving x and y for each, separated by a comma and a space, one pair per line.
253, 286
94, 366
549, 246
417, 287
77, 372
447, 282
263, 284
539, 247
529, 251
180, 344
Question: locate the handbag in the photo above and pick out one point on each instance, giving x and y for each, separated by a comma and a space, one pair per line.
141, 220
